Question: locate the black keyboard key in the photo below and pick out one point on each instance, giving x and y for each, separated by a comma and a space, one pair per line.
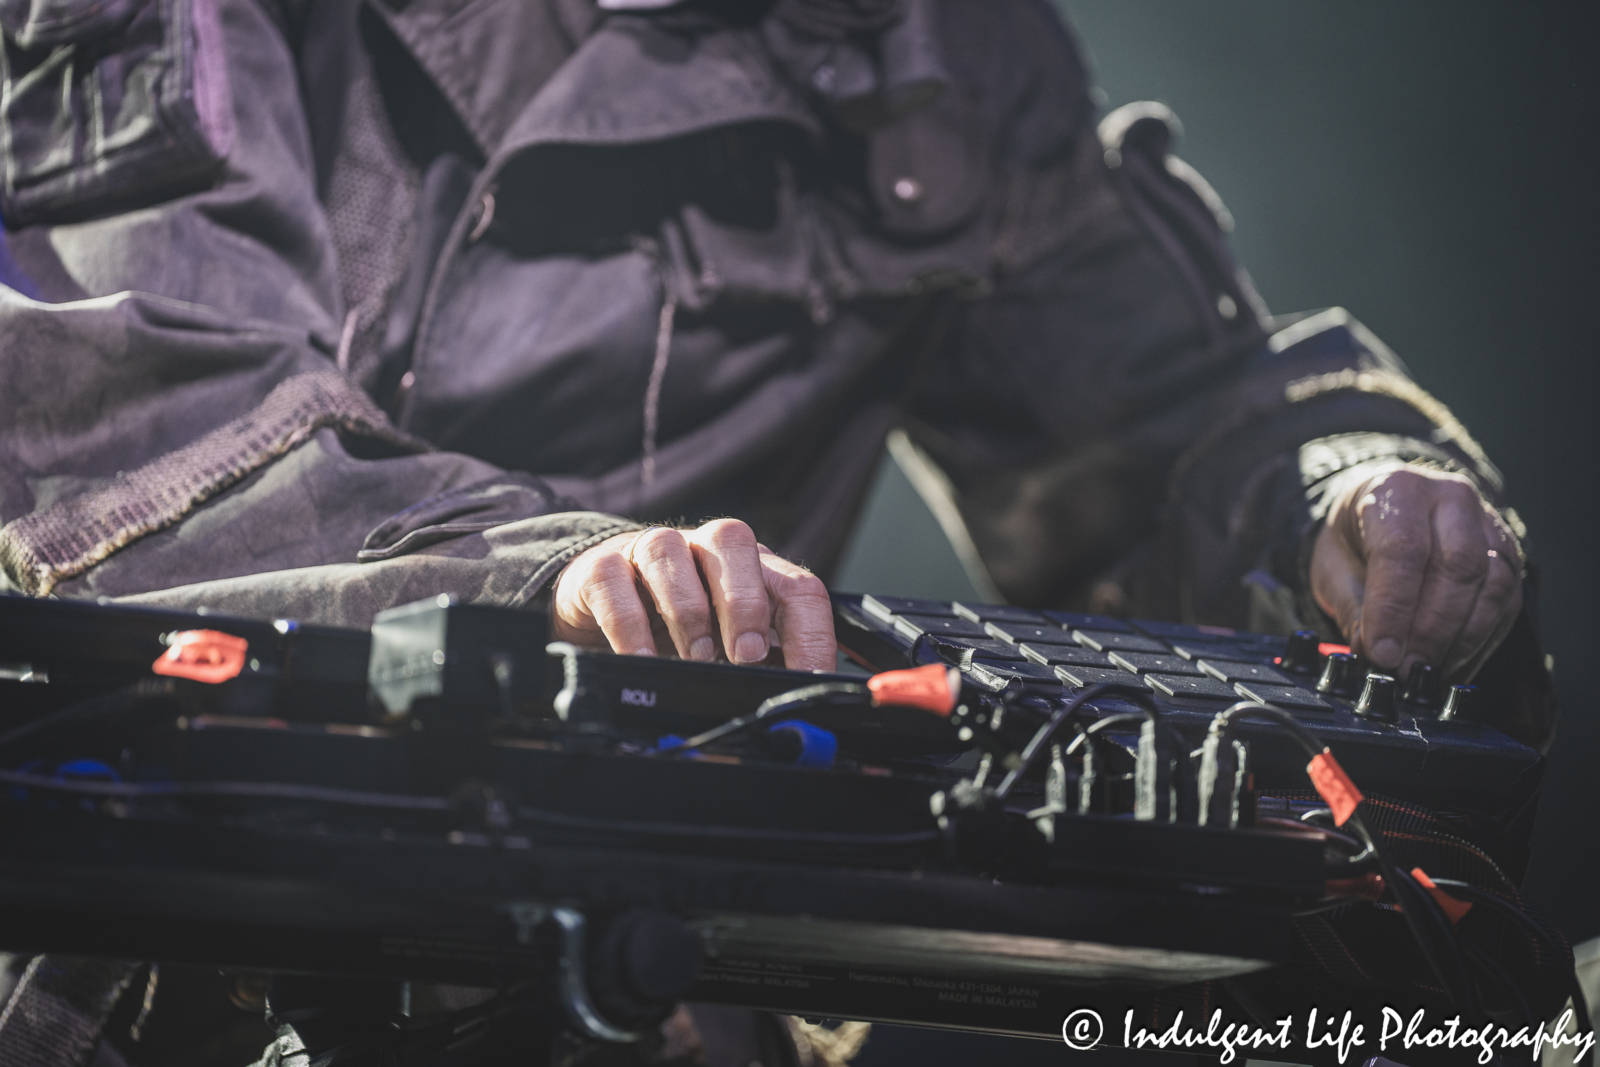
1234, 652
1286, 696
1018, 632
1153, 663
1180, 631
1077, 620
939, 626
1005, 670
886, 607
1054, 654
1190, 685
1078, 677
997, 613
986, 647
1105, 641
1232, 671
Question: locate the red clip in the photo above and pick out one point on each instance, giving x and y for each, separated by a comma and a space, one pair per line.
209, 656
1448, 904
1334, 786
933, 688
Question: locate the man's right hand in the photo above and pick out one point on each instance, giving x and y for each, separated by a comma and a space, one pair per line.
700, 592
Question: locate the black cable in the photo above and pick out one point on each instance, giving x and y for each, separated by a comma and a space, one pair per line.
1432, 932
1429, 928
783, 703
1043, 736
117, 702
1486, 963
1476, 895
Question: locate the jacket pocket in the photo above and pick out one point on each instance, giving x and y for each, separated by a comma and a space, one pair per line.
114, 117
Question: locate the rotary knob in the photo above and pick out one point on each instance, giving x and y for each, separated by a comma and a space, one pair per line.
1422, 685
1338, 675
1461, 703
1302, 654
1378, 699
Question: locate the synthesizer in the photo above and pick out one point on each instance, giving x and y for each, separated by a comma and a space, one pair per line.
991, 818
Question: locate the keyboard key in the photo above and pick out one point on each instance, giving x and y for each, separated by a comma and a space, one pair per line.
1178, 631
1009, 669
1054, 654
1078, 677
1234, 652
939, 626
997, 613
1190, 685
1105, 641
884, 607
1226, 671
1291, 697
1151, 663
986, 647
1076, 620
1018, 632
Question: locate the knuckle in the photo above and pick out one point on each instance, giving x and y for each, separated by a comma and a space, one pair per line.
727, 533
801, 585
1462, 565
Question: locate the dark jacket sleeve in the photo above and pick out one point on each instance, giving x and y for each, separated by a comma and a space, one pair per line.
1125, 426
173, 425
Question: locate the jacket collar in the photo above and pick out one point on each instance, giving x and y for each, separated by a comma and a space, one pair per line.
521, 73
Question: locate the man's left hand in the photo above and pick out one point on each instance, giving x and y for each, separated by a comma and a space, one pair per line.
1415, 566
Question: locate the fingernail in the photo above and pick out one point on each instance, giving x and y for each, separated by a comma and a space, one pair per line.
750, 648
703, 649
644, 652
1386, 652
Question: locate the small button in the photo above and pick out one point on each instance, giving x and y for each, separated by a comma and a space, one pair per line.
907, 190
1227, 307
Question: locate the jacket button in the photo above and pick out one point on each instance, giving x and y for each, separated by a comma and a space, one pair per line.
907, 190
1226, 307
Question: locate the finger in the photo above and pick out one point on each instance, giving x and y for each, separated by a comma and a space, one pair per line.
1338, 580
726, 551
1497, 607
804, 615
1458, 564
1397, 538
1492, 617
610, 593
666, 567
